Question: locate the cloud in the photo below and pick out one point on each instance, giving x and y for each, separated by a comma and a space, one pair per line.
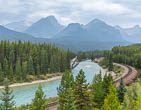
67, 11
104, 7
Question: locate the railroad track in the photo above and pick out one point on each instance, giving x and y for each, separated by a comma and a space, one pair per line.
53, 103
128, 77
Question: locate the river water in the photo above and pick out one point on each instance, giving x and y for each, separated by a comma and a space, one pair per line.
25, 94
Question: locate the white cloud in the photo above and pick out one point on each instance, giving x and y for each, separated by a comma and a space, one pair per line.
7, 6
103, 6
67, 11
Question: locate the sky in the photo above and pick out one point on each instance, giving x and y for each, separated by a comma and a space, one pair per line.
125, 13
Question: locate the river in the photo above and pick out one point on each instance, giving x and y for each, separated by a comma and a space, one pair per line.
25, 94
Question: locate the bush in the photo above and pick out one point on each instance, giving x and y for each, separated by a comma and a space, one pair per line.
49, 75
31, 78
42, 77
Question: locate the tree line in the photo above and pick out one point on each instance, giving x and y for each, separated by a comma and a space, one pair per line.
130, 55
89, 55
20, 59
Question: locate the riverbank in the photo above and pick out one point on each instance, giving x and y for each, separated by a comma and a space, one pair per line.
42, 79
33, 82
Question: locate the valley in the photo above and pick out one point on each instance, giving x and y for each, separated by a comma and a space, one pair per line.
70, 55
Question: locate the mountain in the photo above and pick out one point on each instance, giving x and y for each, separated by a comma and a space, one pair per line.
45, 27
100, 31
132, 34
17, 26
96, 30
73, 31
94, 35
7, 34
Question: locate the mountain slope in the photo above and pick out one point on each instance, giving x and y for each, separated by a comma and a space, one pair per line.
17, 26
73, 31
45, 27
100, 31
94, 35
7, 34
132, 34
96, 30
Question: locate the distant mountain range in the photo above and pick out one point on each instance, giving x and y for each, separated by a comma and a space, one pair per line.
17, 26
132, 34
96, 30
7, 34
94, 35
45, 27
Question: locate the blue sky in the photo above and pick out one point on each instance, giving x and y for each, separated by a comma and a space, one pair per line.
125, 13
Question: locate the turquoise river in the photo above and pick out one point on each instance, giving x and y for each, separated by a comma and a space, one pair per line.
25, 94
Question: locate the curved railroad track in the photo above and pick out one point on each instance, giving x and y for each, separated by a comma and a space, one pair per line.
53, 105
128, 77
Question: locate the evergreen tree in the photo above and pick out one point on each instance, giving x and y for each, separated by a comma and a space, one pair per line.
10, 73
132, 100
39, 102
110, 67
38, 70
44, 61
64, 94
6, 67
107, 80
2, 107
81, 92
68, 59
53, 65
30, 68
69, 103
97, 90
18, 70
11, 57
7, 97
37, 58
111, 101
1, 74
121, 91
24, 70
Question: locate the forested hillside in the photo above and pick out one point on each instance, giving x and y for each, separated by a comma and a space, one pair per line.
20, 59
90, 55
130, 55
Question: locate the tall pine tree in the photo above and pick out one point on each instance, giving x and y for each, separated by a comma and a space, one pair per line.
30, 69
39, 102
81, 92
7, 97
107, 80
97, 91
121, 91
65, 91
111, 101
